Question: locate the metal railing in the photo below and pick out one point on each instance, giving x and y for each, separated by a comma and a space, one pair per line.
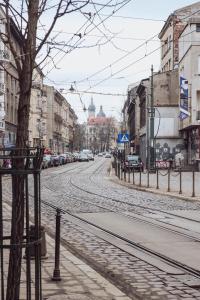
23, 163
144, 178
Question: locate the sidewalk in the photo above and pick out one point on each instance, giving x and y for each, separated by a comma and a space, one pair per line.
79, 281
186, 183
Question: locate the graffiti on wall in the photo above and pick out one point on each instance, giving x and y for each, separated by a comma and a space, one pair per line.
165, 152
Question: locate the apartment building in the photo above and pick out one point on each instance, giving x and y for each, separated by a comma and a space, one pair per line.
38, 111
189, 73
9, 87
169, 35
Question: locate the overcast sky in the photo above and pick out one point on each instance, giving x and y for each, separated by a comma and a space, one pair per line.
129, 33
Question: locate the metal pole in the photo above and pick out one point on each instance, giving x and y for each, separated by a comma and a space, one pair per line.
148, 178
129, 174
56, 273
193, 183
124, 173
180, 190
140, 183
133, 176
168, 188
157, 179
152, 112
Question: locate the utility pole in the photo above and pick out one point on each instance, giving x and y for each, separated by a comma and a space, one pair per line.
152, 115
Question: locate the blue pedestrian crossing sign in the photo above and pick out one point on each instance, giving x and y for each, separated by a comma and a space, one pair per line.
123, 138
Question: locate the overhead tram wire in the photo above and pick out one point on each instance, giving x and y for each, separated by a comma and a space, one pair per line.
80, 42
119, 59
76, 34
122, 69
108, 66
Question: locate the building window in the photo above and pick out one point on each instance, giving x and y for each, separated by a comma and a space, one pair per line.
197, 27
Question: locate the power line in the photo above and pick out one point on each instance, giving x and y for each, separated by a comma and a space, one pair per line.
95, 93
80, 42
118, 60
124, 68
137, 18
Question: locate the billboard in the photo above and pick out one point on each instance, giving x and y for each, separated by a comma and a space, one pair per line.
184, 99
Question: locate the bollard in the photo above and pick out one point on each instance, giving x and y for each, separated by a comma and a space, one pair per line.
115, 167
56, 273
148, 177
157, 179
168, 188
180, 189
133, 176
193, 183
140, 183
129, 180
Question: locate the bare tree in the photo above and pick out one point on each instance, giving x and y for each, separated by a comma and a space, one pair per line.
37, 48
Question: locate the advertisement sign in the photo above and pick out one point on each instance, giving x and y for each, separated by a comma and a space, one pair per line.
184, 99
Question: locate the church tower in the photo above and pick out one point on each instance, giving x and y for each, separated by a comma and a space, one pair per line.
91, 109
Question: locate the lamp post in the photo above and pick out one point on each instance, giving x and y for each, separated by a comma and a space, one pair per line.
151, 138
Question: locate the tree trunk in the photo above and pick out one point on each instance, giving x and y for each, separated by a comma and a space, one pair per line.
17, 225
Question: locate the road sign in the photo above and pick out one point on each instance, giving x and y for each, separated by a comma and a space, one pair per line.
123, 138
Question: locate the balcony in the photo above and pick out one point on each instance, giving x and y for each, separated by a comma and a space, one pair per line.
4, 55
2, 89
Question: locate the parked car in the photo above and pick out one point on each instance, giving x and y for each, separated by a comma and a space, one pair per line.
45, 162
108, 155
100, 154
47, 157
63, 158
76, 155
90, 156
133, 162
55, 159
83, 157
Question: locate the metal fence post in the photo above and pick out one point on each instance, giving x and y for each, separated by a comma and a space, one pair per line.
56, 273
168, 188
157, 179
115, 162
133, 176
140, 183
180, 189
193, 183
148, 177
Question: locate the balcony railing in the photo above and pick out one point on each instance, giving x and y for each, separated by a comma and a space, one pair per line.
4, 55
2, 88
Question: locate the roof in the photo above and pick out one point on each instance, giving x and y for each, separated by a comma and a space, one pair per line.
177, 13
101, 112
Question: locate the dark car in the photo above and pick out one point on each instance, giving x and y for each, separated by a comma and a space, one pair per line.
55, 159
83, 157
133, 162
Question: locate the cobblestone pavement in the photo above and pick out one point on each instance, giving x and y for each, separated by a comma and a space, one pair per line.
79, 281
64, 187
